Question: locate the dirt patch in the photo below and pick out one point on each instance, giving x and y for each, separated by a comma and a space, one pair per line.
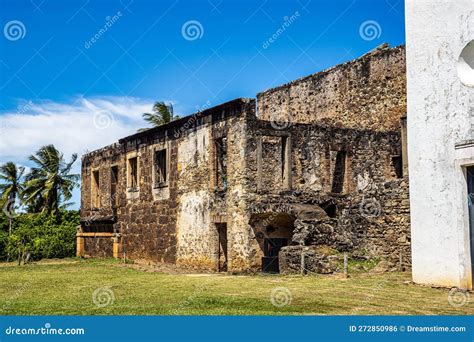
41, 262
149, 266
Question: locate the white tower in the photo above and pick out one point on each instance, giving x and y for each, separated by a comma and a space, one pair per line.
440, 86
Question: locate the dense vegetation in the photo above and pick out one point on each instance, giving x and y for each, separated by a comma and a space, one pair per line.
35, 236
34, 223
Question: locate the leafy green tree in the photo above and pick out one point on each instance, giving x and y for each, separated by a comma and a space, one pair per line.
162, 114
40, 235
50, 182
10, 188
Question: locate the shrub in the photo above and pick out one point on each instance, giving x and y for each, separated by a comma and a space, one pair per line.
3, 222
3, 244
42, 235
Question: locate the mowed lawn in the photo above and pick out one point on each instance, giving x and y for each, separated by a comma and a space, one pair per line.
106, 287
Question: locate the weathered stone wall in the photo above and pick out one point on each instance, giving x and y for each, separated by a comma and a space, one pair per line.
366, 93
316, 259
100, 160
308, 181
146, 226
175, 223
370, 215
98, 247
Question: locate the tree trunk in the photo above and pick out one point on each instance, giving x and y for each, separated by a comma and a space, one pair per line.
9, 234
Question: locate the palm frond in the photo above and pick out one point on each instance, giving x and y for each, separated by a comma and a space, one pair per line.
50, 181
162, 114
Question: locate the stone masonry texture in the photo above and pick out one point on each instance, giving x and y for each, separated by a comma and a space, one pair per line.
313, 165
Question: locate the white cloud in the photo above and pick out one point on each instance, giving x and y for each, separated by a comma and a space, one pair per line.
76, 127
81, 125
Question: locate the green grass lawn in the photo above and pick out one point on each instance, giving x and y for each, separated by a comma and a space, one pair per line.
105, 287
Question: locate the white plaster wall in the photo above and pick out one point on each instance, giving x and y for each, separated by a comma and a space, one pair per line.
438, 118
196, 233
196, 238
193, 150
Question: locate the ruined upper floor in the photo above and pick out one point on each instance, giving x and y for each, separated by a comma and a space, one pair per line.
366, 93
335, 117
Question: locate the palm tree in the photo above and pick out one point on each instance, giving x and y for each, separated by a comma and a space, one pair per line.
49, 182
162, 114
10, 188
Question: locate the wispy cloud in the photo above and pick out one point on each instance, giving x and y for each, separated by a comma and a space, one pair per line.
76, 126
81, 125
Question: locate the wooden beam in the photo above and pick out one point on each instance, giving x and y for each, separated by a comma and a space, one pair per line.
94, 234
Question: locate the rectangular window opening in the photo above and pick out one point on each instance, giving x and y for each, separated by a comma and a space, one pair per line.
339, 172
161, 176
285, 163
95, 189
221, 163
113, 185
133, 172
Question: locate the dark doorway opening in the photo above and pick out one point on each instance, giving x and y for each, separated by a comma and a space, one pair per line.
470, 199
271, 248
273, 231
222, 253
330, 208
397, 164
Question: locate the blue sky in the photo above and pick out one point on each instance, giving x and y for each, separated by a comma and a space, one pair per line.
79, 73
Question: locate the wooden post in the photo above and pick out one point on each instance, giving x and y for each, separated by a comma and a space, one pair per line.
80, 246
117, 247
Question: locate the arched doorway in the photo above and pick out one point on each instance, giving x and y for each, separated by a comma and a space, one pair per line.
273, 231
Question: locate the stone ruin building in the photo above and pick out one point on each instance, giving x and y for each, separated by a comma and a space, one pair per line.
284, 182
